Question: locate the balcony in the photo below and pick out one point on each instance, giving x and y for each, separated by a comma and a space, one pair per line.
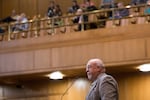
46, 47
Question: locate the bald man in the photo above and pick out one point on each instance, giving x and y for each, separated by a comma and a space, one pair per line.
103, 87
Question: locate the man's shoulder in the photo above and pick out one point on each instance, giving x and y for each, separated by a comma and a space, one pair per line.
104, 76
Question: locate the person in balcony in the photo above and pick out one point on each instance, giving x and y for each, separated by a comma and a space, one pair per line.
12, 18
80, 19
122, 11
57, 13
107, 4
137, 2
50, 11
75, 6
147, 9
2, 31
101, 19
88, 5
21, 24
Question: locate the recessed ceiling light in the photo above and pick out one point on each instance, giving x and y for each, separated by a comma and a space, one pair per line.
144, 68
56, 75
128, 6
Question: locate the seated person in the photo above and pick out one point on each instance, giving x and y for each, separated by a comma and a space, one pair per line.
80, 19
50, 11
13, 17
88, 5
57, 10
101, 19
21, 24
147, 9
2, 30
74, 7
122, 11
57, 13
107, 4
137, 2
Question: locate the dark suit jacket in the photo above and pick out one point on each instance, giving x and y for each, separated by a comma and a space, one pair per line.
85, 19
104, 88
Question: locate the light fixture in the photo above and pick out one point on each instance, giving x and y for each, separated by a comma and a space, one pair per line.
144, 67
128, 6
56, 75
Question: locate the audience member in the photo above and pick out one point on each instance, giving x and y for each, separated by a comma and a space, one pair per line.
74, 7
122, 11
51, 8
107, 4
1, 30
147, 9
101, 19
57, 10
57, 14
21, 24
88, 5
136, 2
13, 17
80, 19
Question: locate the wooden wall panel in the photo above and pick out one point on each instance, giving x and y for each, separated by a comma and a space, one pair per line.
29, 7
19, 61
148, 48
43, 7
8, 6
0, 9
132, 86
42, 59
109, 51
79, 89
113, 51
134, 49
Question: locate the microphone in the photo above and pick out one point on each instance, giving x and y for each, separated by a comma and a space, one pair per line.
67, 89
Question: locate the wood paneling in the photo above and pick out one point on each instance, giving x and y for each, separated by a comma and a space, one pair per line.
148, 48
134, 49
43, 7
8, 6
42, 59
29, 7
132, 86
0, 9
109, 51
19, 61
